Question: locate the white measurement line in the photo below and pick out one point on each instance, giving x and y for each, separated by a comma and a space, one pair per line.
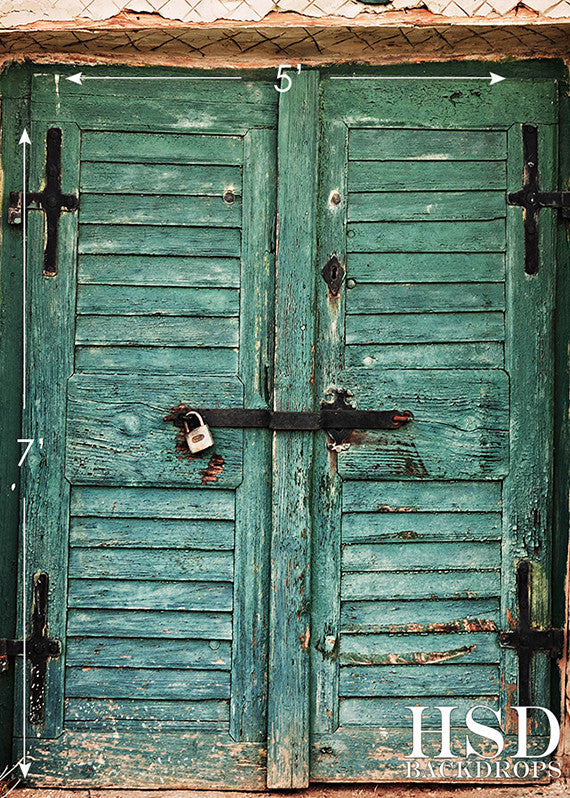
80, 77
24, 140
493, 78
24, 767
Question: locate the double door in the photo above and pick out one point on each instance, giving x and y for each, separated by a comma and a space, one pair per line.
267, 612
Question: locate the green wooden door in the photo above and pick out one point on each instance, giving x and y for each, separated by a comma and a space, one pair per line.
268, 611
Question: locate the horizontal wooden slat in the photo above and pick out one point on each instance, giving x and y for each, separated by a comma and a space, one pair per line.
160, 503
424, 298
152, 533
486, 236
137, 178
156, 360
130, 623
402, 586
425, 496
134, 594
154, 564
157, 331
420, 556
191, 272
122, 240
426, 176
396, 712
157, 301
132, 683
380, 527
142, 147
117, 652
105, 711
392, 206
426, 328
466, 355
459, 431
419, 617
116, 433
448, 680
432, 267
479, 647
424, 145
165, 211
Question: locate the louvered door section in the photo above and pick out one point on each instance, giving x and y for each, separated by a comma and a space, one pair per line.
419, 578
174, 266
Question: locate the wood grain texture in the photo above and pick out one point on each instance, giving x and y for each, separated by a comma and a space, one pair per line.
166, 624
362, 650
141, 714
151, 360
425, 176
159, 564
412, 328
137, 300
405, 617
426, 145
159, 210
423, 206
147, 330
288, 705
420, 586
185, 271
458, 236
150, 240
424, 496
136, 178
425, 298
130, 682
117, 652
153, 503
412, 526
391, 356
432, 267
134, 594
379, 680
183, 148
158, 533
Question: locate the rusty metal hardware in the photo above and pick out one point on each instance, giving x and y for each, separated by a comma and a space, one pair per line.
51, 201
532, 199
39, 649
526, 639
333, 274
338, 418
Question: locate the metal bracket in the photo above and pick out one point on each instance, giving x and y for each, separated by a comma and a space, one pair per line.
526, 639
532, 199
39, 649
338, 418
51, 201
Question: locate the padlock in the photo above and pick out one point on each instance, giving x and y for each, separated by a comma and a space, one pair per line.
200, 437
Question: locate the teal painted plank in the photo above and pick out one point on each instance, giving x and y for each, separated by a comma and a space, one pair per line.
162, 301
398, 586
488, 236
420, 556
164, 331
395, 712
426, 145
122, 240
466, 355
381, 206
157, 564
131, 682
422, 496
415, 617
448, 680
152, 503
424, 298
129, 623
156, 360
139, 147
191, 272
117, 652
433, 267
432, 104
164, 211
380, 527
206, 759
79, 711
459, 431
152, 533
479, 647
135, 178
134, 594
425, 176
426, 328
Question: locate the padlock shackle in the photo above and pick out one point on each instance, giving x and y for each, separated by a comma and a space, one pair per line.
193, 413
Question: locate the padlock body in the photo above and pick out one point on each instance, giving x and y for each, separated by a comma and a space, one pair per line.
199, 439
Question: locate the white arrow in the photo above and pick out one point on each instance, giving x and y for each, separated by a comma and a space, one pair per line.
493, 78
24, 140
24, 766
80, 77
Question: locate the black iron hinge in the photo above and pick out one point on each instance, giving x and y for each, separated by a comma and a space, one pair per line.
51, 201
40, 648
527, 639
532, 199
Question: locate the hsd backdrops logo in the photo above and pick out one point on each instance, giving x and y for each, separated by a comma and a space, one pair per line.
488, 751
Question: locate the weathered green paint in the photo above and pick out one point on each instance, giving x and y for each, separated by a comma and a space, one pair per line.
201, 582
